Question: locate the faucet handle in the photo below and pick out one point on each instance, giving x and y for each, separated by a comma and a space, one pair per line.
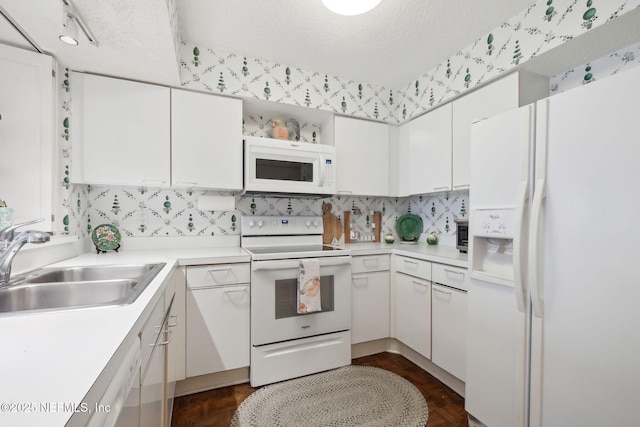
8, 234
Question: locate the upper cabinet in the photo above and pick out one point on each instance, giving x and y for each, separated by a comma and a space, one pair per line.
512, 91
121, 132
425, 153
27, 135
131, 133
206, 141
362, 156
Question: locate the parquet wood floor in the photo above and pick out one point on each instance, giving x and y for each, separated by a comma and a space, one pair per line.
215, 408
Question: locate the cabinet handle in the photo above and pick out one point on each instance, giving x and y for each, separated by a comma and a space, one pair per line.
454, 271
461, 186
345, 192
415, 282
373, 261
236, 291
441, 291
175, 321
363, 277
152, 181
441, 188
406, 261
168, 339
186, 183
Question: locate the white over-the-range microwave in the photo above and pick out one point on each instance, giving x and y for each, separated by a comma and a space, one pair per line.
282, 167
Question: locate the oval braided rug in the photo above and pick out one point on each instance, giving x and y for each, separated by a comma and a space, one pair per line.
347, 396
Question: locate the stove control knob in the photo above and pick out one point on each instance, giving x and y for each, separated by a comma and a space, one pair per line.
308, 223
260, 223
316, 223
252, 223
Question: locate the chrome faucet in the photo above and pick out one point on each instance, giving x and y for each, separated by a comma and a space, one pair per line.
13, 243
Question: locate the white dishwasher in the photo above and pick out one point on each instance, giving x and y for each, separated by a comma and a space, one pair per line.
218, 311
120, 404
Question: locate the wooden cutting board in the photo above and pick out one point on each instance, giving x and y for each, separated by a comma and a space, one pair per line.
332, 227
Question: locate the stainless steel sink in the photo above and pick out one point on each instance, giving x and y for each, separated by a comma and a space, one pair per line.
90, 273
77, 287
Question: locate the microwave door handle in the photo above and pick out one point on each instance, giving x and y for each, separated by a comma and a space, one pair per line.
321, 171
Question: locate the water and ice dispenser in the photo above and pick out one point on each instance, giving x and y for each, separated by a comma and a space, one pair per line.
492, 235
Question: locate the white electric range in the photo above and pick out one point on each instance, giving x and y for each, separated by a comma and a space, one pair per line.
284, 343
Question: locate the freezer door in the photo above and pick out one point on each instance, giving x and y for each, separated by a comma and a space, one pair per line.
587, 266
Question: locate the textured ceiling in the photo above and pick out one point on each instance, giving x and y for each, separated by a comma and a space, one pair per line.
389, 46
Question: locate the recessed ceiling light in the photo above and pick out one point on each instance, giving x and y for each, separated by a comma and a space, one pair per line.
350, 7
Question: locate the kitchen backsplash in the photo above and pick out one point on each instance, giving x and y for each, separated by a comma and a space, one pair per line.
142, 211
153, 212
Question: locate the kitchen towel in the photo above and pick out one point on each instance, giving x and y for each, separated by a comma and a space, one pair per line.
309, 286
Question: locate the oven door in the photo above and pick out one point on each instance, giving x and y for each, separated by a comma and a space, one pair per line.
274, 288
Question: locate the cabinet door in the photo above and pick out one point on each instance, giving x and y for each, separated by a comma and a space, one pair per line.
370, 306
428, 156
153, 369
449, 330
217, 329
26, 135
124, 132
362, 154
206, 141
485, 102
413, 313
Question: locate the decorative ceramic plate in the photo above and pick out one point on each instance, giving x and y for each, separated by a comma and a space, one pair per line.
409, 227
106, 237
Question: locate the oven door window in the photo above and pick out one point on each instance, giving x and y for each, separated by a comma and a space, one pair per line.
287, 296
281, 170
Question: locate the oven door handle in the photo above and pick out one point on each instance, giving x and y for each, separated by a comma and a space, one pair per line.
294, 263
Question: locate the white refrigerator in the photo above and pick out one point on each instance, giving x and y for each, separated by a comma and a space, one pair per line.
554, 292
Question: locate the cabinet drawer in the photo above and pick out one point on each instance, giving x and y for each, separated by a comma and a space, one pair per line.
455, 277
364, 264
218, 274
413, 267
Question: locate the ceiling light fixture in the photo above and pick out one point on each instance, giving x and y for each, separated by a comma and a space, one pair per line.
71, 22
350, 7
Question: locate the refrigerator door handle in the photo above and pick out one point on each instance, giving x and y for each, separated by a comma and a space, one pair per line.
537, 297
518, 248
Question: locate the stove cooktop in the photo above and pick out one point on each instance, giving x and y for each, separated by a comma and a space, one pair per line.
293, 252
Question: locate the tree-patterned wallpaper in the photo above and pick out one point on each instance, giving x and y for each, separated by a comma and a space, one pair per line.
168, 212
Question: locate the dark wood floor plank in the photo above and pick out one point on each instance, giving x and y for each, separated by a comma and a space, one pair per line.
215, 408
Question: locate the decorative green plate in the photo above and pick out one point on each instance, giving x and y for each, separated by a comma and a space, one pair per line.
409, 227
106, 237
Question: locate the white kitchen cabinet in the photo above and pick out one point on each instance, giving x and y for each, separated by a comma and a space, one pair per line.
369, 298
425, 153
449, 319
206, 141
362, 156
121, 132
27, 135
507, 93
175, 330
413, 313
218, 311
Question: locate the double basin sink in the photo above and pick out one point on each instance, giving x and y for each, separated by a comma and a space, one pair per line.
61, 288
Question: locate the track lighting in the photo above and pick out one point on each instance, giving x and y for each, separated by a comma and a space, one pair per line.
71, 24
69, 27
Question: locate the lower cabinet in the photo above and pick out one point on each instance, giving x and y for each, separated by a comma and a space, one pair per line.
413, 312
449, 319
369, 298
218, 311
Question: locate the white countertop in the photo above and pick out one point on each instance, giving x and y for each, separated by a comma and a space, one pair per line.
435, 253
50, 360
